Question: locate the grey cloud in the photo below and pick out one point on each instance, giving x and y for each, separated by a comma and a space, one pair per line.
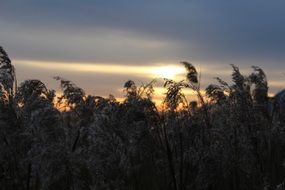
199, 30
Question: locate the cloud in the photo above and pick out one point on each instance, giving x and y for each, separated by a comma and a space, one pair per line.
99, 44
210, 34
241, 31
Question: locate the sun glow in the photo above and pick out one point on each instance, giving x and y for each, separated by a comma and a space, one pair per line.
169, 72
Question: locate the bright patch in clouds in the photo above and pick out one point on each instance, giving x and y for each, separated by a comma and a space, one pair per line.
169, 72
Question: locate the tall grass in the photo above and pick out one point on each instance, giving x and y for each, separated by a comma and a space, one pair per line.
232, 138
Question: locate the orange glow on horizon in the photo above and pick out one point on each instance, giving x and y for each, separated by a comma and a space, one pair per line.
157, 70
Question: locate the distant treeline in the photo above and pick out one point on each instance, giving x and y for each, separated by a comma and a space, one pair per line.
232, 138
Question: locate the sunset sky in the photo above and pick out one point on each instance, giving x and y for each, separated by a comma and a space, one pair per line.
100, 44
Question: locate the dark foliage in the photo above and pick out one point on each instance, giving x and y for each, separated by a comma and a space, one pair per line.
232, 138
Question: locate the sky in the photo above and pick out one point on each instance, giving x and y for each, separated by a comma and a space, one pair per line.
100, 44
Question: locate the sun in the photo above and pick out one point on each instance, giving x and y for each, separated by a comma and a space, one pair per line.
169, 71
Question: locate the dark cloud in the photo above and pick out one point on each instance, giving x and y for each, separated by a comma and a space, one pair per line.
200, 30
